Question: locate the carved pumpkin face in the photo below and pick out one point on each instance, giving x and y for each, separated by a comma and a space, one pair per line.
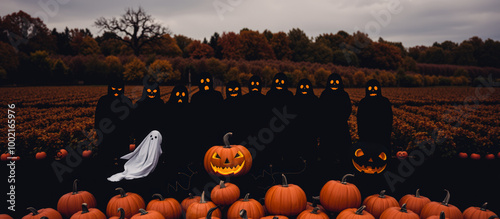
373, 88
401, 154
206, 82
233, 90
255, 84
151, 91
228, 160
116, 89
304, 87
179, 95
334, 82
369, 158
280, 82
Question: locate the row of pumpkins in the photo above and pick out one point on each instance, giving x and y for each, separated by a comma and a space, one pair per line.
281, 202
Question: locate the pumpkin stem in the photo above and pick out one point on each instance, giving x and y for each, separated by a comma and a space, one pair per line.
447, 198
226, 140
315, 201
85, 208
441, 215
191, 195
122, 192
483, 207
382, 194
344, 177
245, 199
44, 217
243, 214
285, 183
143, 212
417, 193
159, 196
33, 210
315, 210
222, 184
202, 200
403, 208
122, 213
75, 189
209, 214
275, 217
360, 210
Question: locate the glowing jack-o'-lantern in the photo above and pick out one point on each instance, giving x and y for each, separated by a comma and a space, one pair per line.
369, 158
334, 82
228, 160
233, 89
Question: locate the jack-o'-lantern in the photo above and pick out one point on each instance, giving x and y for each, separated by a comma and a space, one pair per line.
206, 82
233, 90
179, 95
369, 158
304, 87
255, 84
228, 160
334, 82
402, 154
373, 88
280, 82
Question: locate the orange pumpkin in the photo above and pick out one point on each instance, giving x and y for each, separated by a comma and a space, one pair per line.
122, 214
188, 201
225, 194
200, 209
314, 214
86, 153
129, 201
169, 207
5, 216
209, 214
478, 212
314, 204
71, 202
143, 214
286, 199
86, 213
335, 196
4, 156
398, 213
378, 203
253, 207
355, 213
47, 212
228, 160
274, 217
440, 216
40, 155
435, 208
414, 202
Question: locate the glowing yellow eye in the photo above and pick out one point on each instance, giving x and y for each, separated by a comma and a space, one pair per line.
177, 94
154, 91
331, 81
236, 88
113, 88
277, 81
215, 156
202, 81
239, 154
148, 90
301, 86
382, 156
282, 81
257, 83
337, 81
370, 88
208, 80
359, 153
252, 83
119, 89
307, 86
230, 89
376, 88
183, 94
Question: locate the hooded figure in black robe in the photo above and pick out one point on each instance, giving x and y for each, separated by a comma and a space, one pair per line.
233, 111
147, 112
254, 107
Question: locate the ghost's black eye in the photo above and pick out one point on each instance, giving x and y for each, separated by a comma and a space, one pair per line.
156, 136
151, 136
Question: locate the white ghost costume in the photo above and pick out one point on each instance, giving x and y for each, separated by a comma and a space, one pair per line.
142, 161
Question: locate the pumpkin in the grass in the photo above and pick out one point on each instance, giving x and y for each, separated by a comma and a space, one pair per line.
314, 204
435, 208
5, 216
335, 196
285, 199
314, 214
399, 213
201, 208
143, 214
253, 207
209, 214
225, 193
71, 202
189, 200
478, 212
274, 217
129, 201
86, 213
122, 214
355, 213
378, 203
228, 160
402, 155
4, 156
414, 202
41, 155
47, 212
439, 216
168, 207
369, 158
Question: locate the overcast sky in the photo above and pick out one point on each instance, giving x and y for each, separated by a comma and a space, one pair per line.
413, 22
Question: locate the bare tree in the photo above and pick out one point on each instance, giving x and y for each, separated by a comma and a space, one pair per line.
135, 28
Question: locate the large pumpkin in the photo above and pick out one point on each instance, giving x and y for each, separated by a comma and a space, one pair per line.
71, 202
189, 200
122, 214
355, 213
253, 207
225, 194
129, 201
5, 216
314, 214
435, 208
44, 212
169, 207
200, 209
86, 213
478, 212
414, 202
335, 196
398, 213
286, 199
378, 203
228, 160
143, 214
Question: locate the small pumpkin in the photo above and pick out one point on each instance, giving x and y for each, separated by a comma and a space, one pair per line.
274, 217
228, 160
314, 214
314, 204
143, 214
402, 155
398, 213
463, 155
62, 153
285, 199
378, 203
355, 213
40, 155
169, 207
489, 156
414, 202
86, 213
225, 193
435, 208
5, 216
122, 214
38, 214
86, 153
478, 212
440, 216
335, 196
201, 208
4, 156
131, 147
71, 202
475, 156
209, 214
253, 207
188, 201
129, 201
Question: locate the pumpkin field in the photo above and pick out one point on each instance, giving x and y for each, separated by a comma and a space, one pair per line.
460, 124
